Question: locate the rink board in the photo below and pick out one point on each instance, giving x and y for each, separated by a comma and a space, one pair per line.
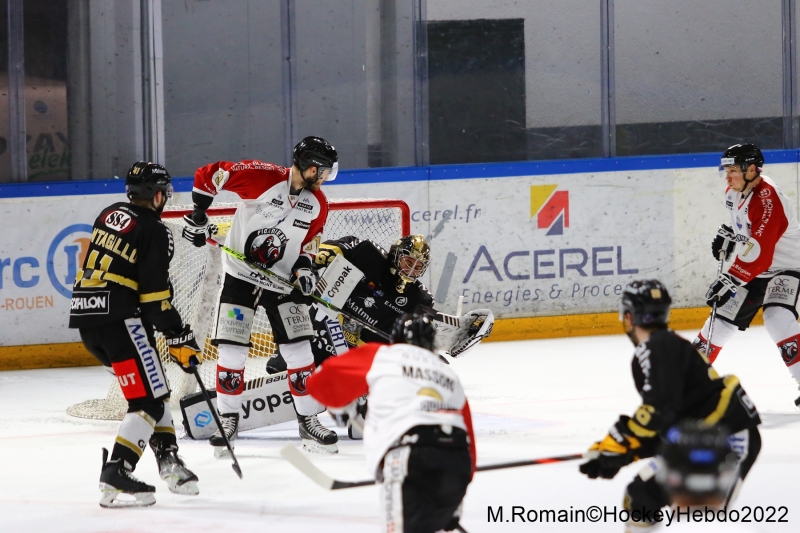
527, 240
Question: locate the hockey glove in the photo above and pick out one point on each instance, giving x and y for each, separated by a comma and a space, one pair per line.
724, 243
721, 290
197, 228
183, 349
303, 280
619, 448
324, 258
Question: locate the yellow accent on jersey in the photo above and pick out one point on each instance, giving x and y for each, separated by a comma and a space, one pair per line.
731, 382
154, 296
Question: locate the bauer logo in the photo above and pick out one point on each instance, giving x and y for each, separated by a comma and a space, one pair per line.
65, 256
551, 208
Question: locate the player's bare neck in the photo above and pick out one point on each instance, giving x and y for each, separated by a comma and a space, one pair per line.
297, 183
141, 202
749, 186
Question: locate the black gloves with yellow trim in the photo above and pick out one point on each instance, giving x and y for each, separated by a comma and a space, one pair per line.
183, 349
619, 448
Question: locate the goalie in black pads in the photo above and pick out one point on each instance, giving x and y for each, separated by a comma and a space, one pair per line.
121, 294
676, 383
362, 279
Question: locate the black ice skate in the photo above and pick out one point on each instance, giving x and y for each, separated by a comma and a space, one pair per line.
230, 424
120, 488
172, 469
316, 437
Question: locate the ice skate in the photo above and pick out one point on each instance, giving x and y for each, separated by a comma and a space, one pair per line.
316, 437
120, 488
230, 424
172, 469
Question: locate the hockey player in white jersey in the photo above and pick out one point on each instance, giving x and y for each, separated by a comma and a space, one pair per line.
277, 226
760, 247
418, 434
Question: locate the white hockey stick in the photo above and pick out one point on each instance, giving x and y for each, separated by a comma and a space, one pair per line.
304, 465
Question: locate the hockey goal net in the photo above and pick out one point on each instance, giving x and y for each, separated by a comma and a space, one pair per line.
196, 275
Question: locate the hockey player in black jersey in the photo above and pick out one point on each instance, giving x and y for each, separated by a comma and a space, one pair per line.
121, 294
676, 383
377, 287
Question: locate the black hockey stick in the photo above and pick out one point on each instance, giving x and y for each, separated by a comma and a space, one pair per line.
304, 465
235, 465
289, 285
714, 308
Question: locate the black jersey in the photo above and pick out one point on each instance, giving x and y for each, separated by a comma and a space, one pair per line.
125, 272
375, 298
676, 382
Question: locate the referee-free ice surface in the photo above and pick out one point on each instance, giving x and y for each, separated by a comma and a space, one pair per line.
529, 399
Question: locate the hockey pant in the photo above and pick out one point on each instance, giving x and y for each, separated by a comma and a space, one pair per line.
291, 330
778, 296
644, 495
127, 347
422, 488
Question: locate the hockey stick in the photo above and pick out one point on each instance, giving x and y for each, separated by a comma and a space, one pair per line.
714, 308
235, 465
304, 465
289, 285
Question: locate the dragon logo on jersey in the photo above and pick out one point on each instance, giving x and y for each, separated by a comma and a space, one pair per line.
230, 381
265, 247
551, 208
298, 381
789, 350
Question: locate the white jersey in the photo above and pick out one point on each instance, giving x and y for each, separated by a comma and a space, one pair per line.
408, 386
767, 231
271, 227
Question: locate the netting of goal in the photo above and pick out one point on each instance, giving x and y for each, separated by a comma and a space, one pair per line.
196, 275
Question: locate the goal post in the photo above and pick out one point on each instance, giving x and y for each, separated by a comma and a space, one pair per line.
196, 276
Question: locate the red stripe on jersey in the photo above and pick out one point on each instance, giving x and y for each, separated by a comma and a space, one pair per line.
342, 379
473, 454
768, 223
248, 179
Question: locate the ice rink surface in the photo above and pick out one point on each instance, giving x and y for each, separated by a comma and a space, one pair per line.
529, 399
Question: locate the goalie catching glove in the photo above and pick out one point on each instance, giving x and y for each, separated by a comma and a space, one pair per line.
197, 228
456, 335
183, 349
619, 448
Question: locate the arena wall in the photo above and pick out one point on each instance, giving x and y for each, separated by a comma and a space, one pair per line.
548, 246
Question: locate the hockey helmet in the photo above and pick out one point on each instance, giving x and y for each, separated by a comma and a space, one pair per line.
144, 179
698, 463
316, 152
647, 301
409, 258
742, 155
414, 328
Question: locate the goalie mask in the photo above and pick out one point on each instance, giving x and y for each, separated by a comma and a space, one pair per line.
414, 328
409, 257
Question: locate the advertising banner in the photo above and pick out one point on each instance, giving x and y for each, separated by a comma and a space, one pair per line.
522, 246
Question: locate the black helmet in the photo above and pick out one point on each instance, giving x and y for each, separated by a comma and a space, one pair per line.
414, 328
699, 465
144, 179
409, 258
315, 151
647, 301
743, 155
